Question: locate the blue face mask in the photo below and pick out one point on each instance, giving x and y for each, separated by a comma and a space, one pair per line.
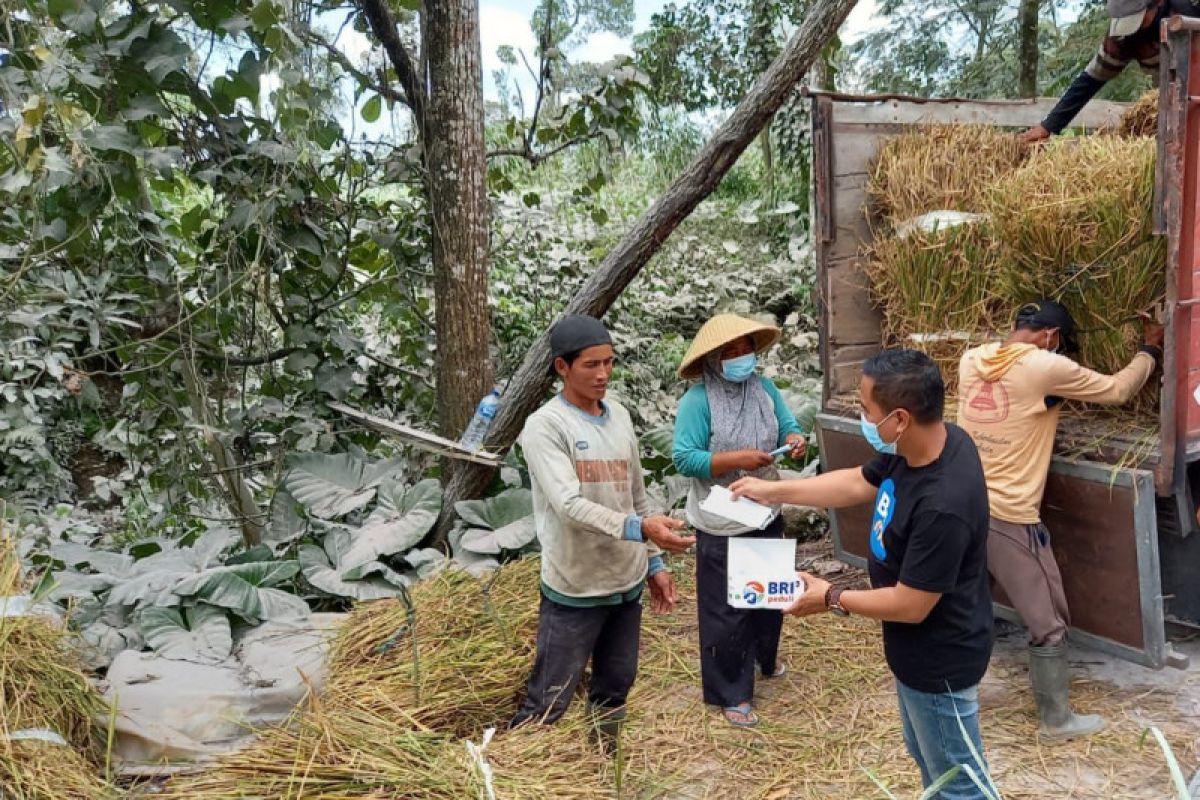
740, 368
870, 431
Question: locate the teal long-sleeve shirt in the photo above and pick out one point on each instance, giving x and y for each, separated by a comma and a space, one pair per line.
693, 429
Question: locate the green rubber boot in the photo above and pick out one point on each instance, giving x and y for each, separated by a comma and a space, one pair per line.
1051, 677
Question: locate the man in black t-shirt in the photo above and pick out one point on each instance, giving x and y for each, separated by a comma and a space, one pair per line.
928, 560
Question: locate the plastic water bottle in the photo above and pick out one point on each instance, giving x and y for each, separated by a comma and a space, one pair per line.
484, 413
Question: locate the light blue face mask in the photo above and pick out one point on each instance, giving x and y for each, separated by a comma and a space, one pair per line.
870, 431
740, 368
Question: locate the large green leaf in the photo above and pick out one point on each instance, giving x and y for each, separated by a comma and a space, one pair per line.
322, 569
238, 587
200, 633
661, 440
496, 512
287, 523
512, 536
331, 486
405, 514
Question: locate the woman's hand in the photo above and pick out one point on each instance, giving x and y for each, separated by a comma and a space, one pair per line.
750, 460
799, 445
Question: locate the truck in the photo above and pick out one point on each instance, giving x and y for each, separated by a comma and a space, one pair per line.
1125, 536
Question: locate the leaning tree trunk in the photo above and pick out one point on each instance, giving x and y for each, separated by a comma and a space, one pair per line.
457, 175
1027, 51
529, 385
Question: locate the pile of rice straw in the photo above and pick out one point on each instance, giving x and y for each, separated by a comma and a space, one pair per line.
1071, 220
44, 695
398, 709
1142, 117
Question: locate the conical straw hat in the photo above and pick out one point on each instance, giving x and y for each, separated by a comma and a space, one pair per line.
720, 331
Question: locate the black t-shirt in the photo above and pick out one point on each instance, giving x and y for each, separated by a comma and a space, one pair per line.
929, 531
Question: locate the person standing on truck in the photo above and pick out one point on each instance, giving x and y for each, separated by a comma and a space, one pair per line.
927, 560
1133, 31
1010, 396
600, 544
727, 425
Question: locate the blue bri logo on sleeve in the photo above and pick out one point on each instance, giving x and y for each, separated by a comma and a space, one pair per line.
885, 507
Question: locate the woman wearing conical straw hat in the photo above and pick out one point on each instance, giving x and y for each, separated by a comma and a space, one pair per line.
726, 426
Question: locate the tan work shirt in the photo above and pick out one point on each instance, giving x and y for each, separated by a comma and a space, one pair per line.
1002, 405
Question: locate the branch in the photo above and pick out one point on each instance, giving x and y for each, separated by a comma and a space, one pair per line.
251, 361
379, 17
534, 157
344, 62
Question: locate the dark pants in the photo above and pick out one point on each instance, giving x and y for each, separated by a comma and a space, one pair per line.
732, 640
567, 638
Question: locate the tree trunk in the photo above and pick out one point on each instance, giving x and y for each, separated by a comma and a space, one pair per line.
457, 174
1027, 56
529, 385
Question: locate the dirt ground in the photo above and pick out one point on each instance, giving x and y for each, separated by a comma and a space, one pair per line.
1122, 762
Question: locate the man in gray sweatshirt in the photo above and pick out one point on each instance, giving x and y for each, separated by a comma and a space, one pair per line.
600, 544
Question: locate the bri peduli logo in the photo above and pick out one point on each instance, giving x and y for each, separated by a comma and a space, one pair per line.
753, 593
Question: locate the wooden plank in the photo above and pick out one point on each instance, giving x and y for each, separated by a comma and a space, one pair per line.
852, 317
855, 146
1091, 526
852, 228
845, 369
1005, 113
426, 441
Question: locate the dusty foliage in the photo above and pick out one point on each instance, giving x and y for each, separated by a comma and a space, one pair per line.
1071, 222
44, 693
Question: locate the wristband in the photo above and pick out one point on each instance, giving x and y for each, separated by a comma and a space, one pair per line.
1154, 351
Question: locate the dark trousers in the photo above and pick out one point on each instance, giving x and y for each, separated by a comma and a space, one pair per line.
567, 637
732, 640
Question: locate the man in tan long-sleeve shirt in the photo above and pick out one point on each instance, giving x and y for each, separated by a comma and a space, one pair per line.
601, 545
1010, 395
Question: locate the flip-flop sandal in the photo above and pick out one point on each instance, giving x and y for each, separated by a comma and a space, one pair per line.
780, 670
749, 718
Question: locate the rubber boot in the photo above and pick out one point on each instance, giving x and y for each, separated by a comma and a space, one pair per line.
606, 726
1050, 675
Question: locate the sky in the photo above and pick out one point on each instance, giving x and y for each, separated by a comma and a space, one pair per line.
506, 22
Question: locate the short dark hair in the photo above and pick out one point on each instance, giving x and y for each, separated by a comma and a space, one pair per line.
907, 379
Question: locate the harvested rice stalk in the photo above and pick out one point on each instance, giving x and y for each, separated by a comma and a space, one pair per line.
939, 167
44, 696
453, 661
1141, 119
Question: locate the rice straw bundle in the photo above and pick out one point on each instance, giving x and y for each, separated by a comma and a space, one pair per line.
43, 691
1072, 222
1142, 117
939, 167
935, 290
455, 670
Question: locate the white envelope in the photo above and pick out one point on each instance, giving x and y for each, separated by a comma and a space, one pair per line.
742, 511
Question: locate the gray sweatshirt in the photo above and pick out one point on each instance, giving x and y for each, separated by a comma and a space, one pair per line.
588, 491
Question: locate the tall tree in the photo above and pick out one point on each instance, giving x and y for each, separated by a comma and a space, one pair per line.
448, 110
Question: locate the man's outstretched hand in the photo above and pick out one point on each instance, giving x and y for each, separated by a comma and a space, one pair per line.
1036, 134
661, 530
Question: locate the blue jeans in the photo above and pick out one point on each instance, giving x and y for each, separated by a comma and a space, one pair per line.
935, 741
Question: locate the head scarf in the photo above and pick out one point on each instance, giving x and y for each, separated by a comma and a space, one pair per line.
742, 417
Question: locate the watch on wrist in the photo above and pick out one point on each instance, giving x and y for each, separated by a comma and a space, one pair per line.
833, 601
